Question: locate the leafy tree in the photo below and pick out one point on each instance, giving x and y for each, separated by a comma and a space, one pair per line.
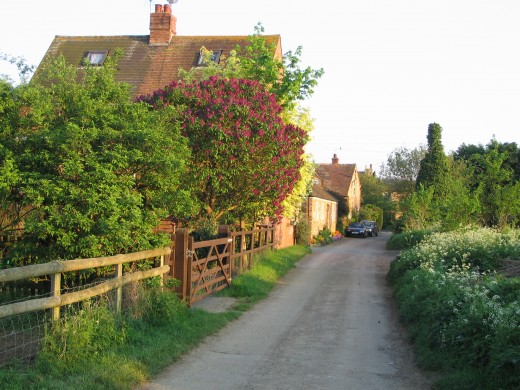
245, 160
376, 193
469, 153
401, 169
460, 207
286, 79
494, 173
25, 70
10, 212
419, 211
372, 213
493, 179
97, 172
433, 171
292, 205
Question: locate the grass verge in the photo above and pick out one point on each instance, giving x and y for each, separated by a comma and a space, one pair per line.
99, 350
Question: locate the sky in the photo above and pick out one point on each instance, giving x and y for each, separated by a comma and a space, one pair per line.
391, 67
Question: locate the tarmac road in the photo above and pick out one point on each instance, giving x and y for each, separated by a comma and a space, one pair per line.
331, 323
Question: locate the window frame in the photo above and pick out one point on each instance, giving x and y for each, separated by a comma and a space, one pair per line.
89, 53
215, 57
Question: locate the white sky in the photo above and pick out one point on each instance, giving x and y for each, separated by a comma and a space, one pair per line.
391, 67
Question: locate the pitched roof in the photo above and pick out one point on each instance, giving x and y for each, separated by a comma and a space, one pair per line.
320, 192
149, 67
336, 177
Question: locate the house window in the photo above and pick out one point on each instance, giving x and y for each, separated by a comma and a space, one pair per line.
204, 55
96, 57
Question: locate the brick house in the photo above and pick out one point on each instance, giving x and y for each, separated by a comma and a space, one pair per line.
320, 209
150, 62
342, 181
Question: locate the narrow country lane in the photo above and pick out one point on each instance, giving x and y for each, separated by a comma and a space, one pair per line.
329, 324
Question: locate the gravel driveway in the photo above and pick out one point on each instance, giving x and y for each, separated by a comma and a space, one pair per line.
330, 323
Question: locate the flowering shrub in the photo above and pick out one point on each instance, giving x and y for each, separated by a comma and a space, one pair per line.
462, 318
245, 159
337, 236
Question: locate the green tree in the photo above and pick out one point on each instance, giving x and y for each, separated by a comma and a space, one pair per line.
494, 183
460, 207
376, 193
494, 173
419, 211
401, 169
97, 172
25, 70
245, 160
286, 78
433, 171
372, 212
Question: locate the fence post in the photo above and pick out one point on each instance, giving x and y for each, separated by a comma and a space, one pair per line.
180, 266
56, 292
189, 260
119, 291
224, 231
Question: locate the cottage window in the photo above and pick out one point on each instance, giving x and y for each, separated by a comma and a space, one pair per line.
96, 57
204, 55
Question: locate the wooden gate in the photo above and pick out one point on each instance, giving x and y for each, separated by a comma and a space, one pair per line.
205, 267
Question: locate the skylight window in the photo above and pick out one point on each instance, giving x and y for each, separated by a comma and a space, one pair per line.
96, 57
207, 55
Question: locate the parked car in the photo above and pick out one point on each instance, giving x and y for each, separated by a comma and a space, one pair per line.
373, 229
356, 229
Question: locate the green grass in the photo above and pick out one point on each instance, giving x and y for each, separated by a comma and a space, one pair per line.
257, 283
98, 350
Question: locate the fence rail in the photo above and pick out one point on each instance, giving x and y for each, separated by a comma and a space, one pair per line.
202, 268
56, 268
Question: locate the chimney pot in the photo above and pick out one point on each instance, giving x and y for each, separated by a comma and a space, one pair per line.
335, 159
163, 25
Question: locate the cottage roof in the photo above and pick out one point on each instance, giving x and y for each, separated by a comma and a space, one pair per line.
319, 192
152, 61
336, 177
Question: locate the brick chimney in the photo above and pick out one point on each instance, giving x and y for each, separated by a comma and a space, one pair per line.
163, 25
335, 159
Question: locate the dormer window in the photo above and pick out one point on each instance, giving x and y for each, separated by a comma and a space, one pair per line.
96, 57
206, 55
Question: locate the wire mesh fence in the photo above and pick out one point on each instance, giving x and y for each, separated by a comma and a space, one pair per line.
22, 336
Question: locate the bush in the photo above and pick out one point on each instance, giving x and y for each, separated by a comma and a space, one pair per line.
464, 321
406, 240
324, 237
302, 232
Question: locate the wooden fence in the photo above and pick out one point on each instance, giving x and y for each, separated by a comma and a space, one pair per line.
201, 267
208, 266
55, 269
